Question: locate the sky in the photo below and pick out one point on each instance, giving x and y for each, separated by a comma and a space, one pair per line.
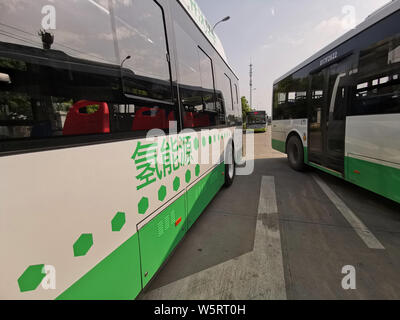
277, 35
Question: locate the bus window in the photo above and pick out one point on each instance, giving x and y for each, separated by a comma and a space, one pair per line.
281, 98
23, 116
143, 49
237, 93
377, 89
228, 95
197, 87
83, 28
290, 99
207, 81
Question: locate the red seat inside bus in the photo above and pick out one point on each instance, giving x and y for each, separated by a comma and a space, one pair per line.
152, 118
87, 117
196, 120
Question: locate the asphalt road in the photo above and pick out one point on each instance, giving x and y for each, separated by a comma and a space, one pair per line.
281, 234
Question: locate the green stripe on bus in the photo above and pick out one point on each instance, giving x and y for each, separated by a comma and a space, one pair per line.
305, 155
378, 178
117, 277
203, 192
279, 145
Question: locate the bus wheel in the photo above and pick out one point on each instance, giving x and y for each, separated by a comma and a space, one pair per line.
295, 153
230, 165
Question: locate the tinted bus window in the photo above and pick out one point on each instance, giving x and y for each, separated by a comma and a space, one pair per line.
236, 93
48, 91
207, 81
377, 84
196, 84
189, 77
83, 28
45, 95
228, 95
257, 118
143, 48
290, 99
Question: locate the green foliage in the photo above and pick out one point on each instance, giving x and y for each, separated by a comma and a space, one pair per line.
92, 109
7, 63
62, 105
15, 105
245, 108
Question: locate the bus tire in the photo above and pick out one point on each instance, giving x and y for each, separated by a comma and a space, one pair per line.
295, 152
230, 165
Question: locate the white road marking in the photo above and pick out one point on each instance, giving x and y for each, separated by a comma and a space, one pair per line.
268, 238
258, 275
360, 228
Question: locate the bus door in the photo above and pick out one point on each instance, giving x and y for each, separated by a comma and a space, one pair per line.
329, 96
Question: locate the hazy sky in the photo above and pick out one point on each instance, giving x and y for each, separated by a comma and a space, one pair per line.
279, 34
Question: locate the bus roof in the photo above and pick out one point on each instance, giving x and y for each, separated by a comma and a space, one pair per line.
372, 19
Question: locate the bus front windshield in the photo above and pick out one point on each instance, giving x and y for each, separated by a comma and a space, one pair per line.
256, 118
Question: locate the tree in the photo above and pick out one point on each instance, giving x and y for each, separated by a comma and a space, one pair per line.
245, 108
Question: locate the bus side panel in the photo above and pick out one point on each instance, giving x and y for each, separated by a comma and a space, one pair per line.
374, 177
117, 277
279, 135
69, 220
279, 145
372, 157
281, 129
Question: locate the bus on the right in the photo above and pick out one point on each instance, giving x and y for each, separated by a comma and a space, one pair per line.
339, 111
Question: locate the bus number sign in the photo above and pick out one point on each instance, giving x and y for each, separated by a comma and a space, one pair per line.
329, 58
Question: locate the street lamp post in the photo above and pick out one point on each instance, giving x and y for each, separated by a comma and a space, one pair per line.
223, 20
126, 59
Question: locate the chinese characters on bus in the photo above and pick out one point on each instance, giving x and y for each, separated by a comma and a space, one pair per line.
158, 160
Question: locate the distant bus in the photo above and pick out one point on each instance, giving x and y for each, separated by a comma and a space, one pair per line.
339, 111
257, 121
86, 196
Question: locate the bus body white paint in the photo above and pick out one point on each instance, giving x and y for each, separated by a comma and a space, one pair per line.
374, 138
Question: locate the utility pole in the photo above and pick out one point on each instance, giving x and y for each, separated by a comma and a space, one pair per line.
251, 85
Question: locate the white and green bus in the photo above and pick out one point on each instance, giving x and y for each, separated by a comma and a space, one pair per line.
339, 111
90, 205
257, 121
